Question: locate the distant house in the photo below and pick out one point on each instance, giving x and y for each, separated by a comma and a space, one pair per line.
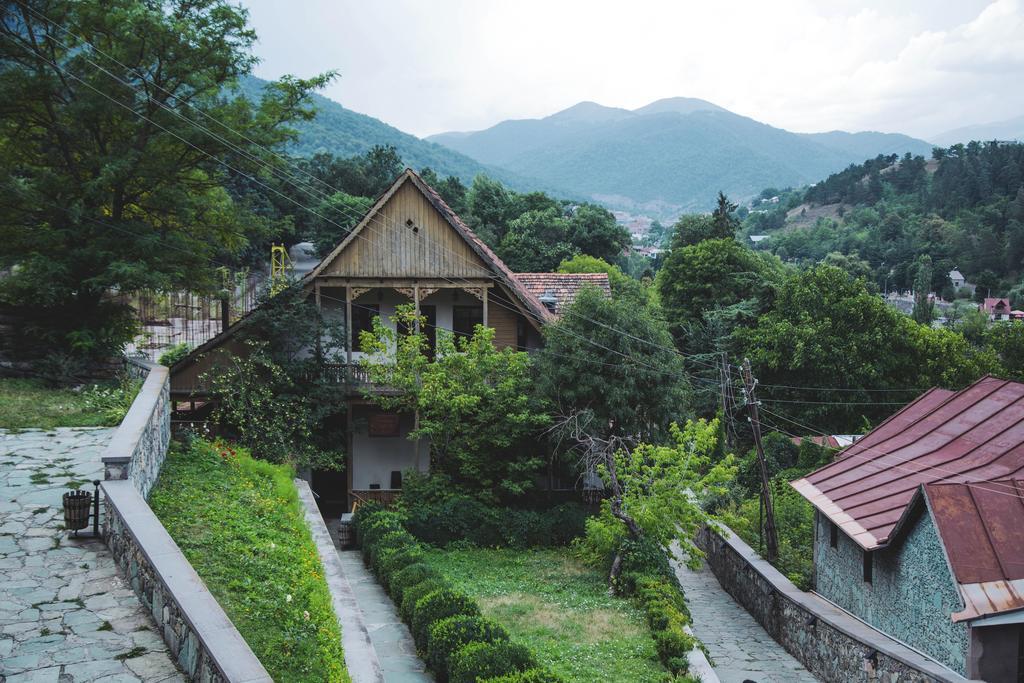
410, 248
758, 238
957, 278
835, 441
919, 528
996, 309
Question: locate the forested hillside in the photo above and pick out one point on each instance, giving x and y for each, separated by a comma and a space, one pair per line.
963, 208
672, 155
343, 132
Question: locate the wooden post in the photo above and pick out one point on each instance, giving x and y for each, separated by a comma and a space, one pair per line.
416, 305
416, 417
348, 327
771, 535
484, 297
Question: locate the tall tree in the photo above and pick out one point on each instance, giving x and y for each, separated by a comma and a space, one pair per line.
924, 307
108, 182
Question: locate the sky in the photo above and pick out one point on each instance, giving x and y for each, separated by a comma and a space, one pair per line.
918, 67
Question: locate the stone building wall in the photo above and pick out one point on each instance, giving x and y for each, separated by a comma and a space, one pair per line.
833, 645
912, 592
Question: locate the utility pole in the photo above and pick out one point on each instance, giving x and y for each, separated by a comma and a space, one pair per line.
771, 536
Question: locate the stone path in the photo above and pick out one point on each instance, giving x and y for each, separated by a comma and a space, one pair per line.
391, 639
65, 614
740, 649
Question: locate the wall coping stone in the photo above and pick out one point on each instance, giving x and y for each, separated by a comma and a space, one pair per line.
119, 453
831, 614
218, 636
360, 656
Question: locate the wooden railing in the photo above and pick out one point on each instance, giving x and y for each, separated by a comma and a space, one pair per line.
382, 496
345, 373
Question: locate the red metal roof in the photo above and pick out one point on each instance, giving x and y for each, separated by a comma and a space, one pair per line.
973, 435
982, 528
563, 286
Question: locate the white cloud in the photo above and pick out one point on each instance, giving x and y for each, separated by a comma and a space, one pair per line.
910, 66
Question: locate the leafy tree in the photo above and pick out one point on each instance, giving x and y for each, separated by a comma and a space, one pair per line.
924, 307
724, 217
714, 273
1007, 340
594, 231
473, 403
654, 493
537, 241
336, 216
110, 187
622, 285
274, 394
611, 362
490, 206
827, 330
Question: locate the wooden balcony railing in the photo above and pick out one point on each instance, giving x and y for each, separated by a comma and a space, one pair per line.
382, 496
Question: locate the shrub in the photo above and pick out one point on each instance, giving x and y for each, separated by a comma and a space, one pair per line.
673, 645
438, 605
412, 595
450, 634
407, 576
393, 540
477, 661
112, 401
175, 353
391, 560
535, 675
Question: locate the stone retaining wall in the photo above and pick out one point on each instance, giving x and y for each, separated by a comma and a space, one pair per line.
199, 635
140, 443
831, 643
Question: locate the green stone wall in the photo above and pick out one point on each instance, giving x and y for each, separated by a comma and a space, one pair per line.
912, 593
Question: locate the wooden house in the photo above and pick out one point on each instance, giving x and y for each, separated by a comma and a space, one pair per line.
410, 247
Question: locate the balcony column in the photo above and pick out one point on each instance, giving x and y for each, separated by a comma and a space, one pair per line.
484, 297
416, 304
416, 415
348, 325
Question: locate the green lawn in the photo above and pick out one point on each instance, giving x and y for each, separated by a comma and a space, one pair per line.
559, 608
28, 403
239, 523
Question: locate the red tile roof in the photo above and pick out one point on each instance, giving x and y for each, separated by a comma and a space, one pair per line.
982, 529
973, 435
991, 303
563, 286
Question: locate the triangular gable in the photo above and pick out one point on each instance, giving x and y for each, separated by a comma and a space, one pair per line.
410, 232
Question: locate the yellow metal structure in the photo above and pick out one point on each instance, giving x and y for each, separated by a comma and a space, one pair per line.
280, 268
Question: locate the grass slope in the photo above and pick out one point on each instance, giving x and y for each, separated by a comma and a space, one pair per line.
28, 403
558, 608
239, 523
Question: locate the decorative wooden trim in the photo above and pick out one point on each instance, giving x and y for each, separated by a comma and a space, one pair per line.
475, 291
359, 291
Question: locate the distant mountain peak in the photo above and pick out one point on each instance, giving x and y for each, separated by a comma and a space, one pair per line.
678, 105
589, 112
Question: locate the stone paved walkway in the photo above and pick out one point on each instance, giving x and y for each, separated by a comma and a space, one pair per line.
390, 637
740, 649
65, 614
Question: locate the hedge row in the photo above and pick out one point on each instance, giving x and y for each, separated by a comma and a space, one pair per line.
458, 644
649, 579
463, 518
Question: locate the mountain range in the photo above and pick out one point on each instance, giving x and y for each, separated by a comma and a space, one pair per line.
345, 133
669, 156
1010, 129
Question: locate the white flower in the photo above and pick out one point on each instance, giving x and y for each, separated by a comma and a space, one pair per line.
272, 545
288, 598
305, 614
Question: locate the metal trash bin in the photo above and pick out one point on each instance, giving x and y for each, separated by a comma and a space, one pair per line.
76, 510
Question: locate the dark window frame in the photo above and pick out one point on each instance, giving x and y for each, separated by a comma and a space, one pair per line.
461, 330
833, 534
869, 566
362, 320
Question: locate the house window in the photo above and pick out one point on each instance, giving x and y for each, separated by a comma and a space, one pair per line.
465, 318
868, 565
362, 321
833, 534
383, 424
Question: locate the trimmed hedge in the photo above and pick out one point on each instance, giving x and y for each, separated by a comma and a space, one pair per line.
528, 676
650, 581
447, 636
488, 660
446, 624
438, 605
